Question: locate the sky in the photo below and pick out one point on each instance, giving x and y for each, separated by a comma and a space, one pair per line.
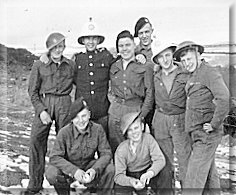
27, 23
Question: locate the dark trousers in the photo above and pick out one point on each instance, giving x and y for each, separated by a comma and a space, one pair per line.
102, 184
149, 118
57, 108
202, 176
156, 185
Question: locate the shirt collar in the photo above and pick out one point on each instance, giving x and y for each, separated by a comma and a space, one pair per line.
64, 59
140, 47
169, 72
92, 52
119, 64
77, 133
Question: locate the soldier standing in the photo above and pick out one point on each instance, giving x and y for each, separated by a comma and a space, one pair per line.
206, 107
131, 87
92, 73
49, 87
144, 30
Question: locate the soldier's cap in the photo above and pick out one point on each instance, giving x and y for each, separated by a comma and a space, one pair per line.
140, 23
127, 120
77, 106
187, 45
123, 34
157, 50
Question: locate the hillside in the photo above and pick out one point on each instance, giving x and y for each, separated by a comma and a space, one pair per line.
16, 60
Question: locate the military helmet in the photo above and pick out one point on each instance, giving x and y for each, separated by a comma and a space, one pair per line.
54, 39
187, 45
157, 49
88, 30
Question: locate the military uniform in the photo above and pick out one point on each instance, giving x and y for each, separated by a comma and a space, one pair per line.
148, 54
49, 87
132, 91
207, 102
92, 82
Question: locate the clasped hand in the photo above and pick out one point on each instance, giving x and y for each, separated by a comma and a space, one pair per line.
85, 177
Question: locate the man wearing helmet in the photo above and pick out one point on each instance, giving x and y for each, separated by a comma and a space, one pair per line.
168, 120
92, 72
49, 87
206, 107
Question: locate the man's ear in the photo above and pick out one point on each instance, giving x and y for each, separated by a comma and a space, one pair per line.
142, 126
152, 30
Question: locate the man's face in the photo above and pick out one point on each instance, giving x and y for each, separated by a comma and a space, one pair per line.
135, 130
82, 119
91, 43
165, 58
57, 51
126, 48
189, 60
144, 34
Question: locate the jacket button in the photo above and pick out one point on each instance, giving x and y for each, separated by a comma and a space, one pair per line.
91, 83
91, 73
90, 64
92, 92
90, 56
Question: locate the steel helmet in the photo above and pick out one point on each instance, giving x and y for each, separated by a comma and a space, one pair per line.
157, 49
54, 39
88, 30
187, 45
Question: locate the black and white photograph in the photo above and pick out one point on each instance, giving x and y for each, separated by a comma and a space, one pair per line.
117, 97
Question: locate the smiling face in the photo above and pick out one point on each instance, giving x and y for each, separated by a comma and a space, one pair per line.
57, 51
82, 119
91, 43
165, 59
126, 47
135, 130
144, 35
189, 59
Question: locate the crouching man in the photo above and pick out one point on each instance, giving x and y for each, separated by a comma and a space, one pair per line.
138, 159
73, 155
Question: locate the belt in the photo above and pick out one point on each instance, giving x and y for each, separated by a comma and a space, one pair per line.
129, 102
53, 95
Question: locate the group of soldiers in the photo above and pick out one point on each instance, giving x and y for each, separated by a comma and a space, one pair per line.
130, 113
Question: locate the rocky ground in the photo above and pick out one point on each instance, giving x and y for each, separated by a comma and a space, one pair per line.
14, 141
16, 116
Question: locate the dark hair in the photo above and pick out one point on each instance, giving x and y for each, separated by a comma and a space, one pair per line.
123, 34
